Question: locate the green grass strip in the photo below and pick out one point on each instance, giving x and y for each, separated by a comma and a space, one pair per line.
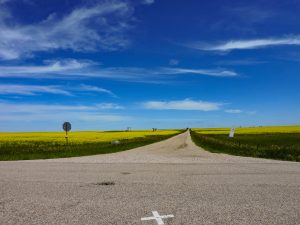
281, 146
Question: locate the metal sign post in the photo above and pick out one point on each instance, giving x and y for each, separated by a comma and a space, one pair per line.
67, 127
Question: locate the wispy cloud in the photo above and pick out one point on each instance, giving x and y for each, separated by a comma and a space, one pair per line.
234, 111
31, 89
18, 89
50, 67
101, 27
76, 68
240, 62
4, 1
140, 74
208, 72
148, 2
109, 106
247, 44
39, 108
90, 88
41, 112
186, 104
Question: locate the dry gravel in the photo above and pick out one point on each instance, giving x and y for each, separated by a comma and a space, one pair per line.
178, 149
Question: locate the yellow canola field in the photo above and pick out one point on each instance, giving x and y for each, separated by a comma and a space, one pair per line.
79, 136
250, 130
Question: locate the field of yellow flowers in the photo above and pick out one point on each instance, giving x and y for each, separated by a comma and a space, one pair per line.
80, 136
251, 130
42, 145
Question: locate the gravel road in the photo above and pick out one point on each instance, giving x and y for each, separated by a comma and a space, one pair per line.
172, 177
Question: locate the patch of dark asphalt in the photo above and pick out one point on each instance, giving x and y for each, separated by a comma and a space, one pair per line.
105, 183
125, 173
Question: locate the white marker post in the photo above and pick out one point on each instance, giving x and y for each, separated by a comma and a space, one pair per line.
157, 217
231, 134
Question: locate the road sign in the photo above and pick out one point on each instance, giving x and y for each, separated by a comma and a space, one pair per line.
67, 126
157, 217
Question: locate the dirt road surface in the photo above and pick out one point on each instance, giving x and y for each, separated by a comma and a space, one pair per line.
173, 177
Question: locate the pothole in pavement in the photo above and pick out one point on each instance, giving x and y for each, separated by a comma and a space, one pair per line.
125, 173
105, 183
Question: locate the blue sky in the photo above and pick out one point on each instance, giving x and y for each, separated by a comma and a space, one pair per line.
148, 63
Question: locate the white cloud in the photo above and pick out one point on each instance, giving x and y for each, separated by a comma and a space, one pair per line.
247, 44
90, 88
101, 27
211, 72
139, 74
31, 89
234, 111
18, 89
186, 104
8, 54
51, 67
109, 106
4, 1
240, 62
148, 2
42, 112
41, 108
78, 68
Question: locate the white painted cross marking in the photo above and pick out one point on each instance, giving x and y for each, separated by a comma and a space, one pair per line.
157, 217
